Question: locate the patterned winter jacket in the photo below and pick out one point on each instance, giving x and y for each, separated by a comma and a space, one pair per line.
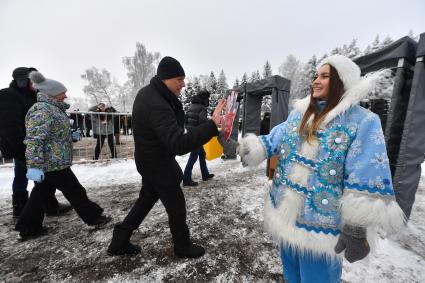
48, 138
341, 178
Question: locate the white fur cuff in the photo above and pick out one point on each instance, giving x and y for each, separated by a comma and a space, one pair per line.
375, 212
251, 150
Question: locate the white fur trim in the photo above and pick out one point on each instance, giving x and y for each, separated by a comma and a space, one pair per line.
280, 223
255, 148
351, 97
301, 173
360, 209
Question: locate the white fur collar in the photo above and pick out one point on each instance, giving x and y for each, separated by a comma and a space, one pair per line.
351, 97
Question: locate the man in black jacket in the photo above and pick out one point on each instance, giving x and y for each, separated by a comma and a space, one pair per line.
158, 125
15, 101
196, 115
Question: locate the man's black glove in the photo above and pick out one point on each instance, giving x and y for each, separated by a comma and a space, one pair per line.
353, 240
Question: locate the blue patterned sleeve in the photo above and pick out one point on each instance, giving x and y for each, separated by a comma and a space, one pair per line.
367, 167
272, 141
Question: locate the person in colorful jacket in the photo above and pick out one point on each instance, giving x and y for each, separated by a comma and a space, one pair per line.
49, 158
332, 187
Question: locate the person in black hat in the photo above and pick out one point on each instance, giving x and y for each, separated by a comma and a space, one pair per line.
158, 128
196, 115
15, 101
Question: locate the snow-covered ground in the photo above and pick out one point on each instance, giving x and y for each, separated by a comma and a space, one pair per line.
224, 215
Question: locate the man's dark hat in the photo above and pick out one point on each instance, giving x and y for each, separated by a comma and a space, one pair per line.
169, 68
21, 76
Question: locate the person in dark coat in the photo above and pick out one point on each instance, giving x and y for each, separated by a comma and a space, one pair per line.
265, 124
103, 128
196, 115
15, 101
158, 124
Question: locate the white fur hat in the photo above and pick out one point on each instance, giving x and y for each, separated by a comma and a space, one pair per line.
348, 71
46, 86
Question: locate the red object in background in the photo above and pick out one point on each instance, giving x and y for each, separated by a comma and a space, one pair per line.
229, 116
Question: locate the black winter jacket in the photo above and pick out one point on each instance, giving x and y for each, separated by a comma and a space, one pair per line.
197, 112
14, 105
158, 129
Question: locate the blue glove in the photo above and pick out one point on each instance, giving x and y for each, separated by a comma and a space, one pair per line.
35, 174
76, 136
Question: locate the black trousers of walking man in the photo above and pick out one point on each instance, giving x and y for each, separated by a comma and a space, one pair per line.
174, 202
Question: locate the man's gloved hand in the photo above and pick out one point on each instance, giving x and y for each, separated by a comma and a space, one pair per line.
35, 174
76, 136
353, 240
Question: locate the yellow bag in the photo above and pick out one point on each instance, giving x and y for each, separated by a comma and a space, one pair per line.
213, 149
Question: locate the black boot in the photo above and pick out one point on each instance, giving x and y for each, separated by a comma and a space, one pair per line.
102, 220
18, 202
189, 251
33, 234
209, 176
120, 244
190, 184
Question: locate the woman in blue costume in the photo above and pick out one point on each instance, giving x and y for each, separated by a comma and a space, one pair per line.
331, 190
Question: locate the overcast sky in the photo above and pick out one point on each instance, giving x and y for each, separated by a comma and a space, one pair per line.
64, 38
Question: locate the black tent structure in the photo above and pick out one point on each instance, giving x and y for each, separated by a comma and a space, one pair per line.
405, 125
253, 93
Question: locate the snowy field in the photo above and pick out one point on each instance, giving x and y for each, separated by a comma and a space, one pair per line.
224, 215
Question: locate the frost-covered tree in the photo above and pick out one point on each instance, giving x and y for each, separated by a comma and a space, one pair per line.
187, 94
267, 71
351, 50
237, 83
125, 97
306, 77
376, 45
255, 76
291, 70
99, 87
222, 85
387, 41
196, 84
212, 87
141, 67
244, 78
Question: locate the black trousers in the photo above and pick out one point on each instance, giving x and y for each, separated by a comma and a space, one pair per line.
31, 218
173, 200
100, 140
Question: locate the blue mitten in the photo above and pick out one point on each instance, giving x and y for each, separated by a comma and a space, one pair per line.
35, 174
76, 136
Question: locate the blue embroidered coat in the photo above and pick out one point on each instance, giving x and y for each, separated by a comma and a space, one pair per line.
343, 177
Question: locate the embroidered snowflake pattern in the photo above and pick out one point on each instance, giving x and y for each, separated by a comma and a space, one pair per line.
352, 128
358, 165
380, 160
324, 201
377, 183
292, 128
377, 136
355, 149
330, 172
353, 179
337, 141
285, 149
369, 117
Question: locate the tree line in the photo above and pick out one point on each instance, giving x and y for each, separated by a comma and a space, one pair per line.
101, 86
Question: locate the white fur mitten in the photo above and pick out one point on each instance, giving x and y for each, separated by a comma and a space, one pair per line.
251, 150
